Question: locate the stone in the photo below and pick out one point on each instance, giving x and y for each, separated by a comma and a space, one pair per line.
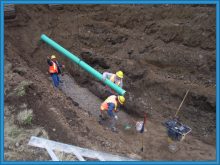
7, 66
23, 106
20, 70
17, 144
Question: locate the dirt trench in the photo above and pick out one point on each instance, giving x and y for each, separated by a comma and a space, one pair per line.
162, 49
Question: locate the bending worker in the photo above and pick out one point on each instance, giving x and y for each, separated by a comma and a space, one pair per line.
109, 108
54, 69
115, 78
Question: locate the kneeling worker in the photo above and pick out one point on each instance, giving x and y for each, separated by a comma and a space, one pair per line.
109, 108
115, 78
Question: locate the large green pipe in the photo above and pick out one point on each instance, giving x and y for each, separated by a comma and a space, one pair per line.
81, 63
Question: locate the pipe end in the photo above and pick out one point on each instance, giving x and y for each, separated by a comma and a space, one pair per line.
43, 36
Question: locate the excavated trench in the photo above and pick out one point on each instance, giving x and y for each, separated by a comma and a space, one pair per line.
87, 100
162, 49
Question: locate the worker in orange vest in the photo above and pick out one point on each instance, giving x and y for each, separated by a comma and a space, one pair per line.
115, 78
109, 108
54, 69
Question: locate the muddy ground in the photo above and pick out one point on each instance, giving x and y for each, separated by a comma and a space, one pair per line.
162, 49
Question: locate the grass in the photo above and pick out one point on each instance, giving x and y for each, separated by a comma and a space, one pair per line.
25, 117
28, 120
14, 133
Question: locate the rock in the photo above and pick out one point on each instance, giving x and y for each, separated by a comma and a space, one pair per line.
17, 144
75, 103
44, 134
86, 53
20, 70
23, 106
134, 156
181, 77
130, 51
54, 129
137, 75
7, 111
52, 109
7, 66
40, 132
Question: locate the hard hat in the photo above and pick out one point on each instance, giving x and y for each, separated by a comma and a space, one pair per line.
53, 57
120, 74
121, 99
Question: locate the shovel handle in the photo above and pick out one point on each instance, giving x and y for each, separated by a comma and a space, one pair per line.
181, 103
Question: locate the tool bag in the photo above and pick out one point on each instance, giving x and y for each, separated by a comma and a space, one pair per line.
176, 130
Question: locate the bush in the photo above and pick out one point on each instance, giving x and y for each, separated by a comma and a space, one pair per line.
25, 117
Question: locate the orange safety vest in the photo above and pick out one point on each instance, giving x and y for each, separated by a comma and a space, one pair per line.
110, 99
53, 68
112, 78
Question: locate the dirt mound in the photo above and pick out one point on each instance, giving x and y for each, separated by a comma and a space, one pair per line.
162, 49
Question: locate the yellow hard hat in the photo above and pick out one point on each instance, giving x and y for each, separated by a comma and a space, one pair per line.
120, 74
53, 57
121, 99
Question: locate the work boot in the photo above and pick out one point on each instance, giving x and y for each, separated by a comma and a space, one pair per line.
100, 120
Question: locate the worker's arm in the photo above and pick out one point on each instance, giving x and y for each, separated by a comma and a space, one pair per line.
106, 75
60, 65
49, 62
121, 84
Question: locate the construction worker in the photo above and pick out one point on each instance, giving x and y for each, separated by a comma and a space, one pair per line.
115, 78
54, 69
109, 108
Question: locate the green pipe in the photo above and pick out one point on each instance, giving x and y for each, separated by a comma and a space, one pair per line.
82, 64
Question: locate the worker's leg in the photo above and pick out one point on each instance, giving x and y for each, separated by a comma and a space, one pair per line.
113, 123
55, 81
103, 117
58, 80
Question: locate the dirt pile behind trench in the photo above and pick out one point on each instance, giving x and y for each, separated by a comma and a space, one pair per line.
162, 50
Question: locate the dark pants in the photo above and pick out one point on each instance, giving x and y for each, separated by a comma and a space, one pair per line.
55, 79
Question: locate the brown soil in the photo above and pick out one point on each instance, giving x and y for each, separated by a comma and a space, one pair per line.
162, 49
